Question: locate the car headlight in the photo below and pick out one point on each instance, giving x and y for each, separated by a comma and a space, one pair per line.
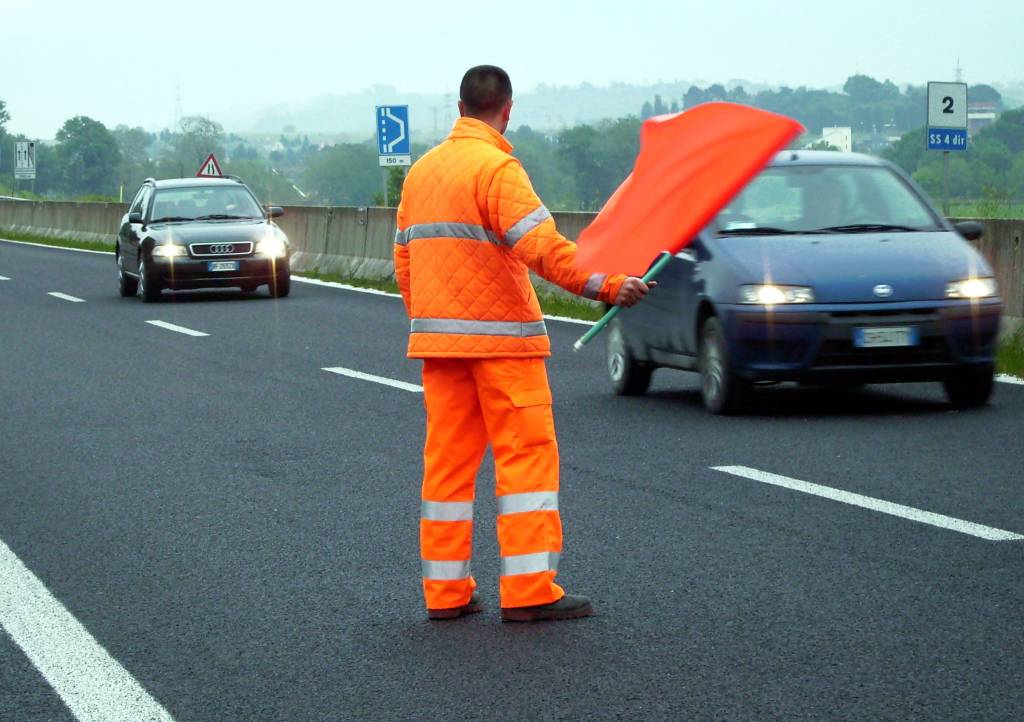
170, 250
972, 288
770, 294
273, 247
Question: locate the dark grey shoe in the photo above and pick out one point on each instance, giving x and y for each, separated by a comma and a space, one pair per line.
472, 607
571, 606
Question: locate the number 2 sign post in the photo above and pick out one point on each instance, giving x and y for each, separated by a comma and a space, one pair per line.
947, 125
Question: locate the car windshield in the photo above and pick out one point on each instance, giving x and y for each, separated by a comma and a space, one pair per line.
825, 199
205, 203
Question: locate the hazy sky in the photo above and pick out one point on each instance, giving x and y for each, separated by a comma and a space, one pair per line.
121, 62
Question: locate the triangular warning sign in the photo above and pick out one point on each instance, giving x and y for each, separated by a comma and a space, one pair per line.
210, 168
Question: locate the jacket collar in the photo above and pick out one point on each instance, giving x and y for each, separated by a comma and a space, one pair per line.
471, 128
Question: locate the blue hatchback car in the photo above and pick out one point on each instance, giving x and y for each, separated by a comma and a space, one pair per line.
828, 268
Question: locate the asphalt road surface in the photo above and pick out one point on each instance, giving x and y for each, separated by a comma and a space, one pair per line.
216, 528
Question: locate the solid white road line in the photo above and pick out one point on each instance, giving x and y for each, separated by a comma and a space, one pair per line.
867, 502
1007, 379
179, 329
66, 297
4, 278
375, 379
61, 248
93, 685
378, 292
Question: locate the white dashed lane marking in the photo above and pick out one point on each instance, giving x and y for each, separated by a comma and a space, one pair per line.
94, 685
886, 507
376, 379
177, 329
66, 297
4, 278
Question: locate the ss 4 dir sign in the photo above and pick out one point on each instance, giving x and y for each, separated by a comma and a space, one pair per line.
947, 139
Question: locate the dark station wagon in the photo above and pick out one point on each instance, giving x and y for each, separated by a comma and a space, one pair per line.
829, 268
200, 233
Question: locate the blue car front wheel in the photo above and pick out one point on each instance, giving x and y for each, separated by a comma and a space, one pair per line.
721, 389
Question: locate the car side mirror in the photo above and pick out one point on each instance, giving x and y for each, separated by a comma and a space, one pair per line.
135, 217
275, 211
970, 230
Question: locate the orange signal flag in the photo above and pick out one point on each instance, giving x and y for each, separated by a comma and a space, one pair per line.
690, 166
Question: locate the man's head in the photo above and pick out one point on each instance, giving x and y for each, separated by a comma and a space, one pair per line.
486, 94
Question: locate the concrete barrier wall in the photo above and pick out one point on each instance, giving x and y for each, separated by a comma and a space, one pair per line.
83, 221
357, 242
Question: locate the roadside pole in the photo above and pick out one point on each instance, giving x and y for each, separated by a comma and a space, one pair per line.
945, 183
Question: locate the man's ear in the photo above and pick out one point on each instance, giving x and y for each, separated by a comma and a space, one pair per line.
462, 109
506, 112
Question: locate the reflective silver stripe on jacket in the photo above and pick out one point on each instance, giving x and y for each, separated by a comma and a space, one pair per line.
445, 230
530, 221
528, 501
529, 563
478, 328
445, 571
592, 288
447, 510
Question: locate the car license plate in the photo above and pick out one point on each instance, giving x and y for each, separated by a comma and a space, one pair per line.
885, 337
222, 266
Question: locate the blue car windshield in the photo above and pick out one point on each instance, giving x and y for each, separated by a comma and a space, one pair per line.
826, 199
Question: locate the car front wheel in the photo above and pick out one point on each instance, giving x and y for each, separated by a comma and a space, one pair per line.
970, 388
149, 287
721, 389
127, 285
628, 376
280, 285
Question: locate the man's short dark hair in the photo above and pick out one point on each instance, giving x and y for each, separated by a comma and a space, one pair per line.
485, 89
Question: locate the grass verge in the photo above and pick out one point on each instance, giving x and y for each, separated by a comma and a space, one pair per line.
1011, 355
550, 304
62, 242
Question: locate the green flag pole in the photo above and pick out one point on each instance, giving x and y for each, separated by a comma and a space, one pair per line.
653, 271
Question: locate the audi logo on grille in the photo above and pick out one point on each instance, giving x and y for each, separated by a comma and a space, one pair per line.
222, 248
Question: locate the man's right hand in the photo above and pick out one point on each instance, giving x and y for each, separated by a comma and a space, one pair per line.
632, 292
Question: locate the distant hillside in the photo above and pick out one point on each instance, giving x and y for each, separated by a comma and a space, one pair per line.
548, 108
431, 115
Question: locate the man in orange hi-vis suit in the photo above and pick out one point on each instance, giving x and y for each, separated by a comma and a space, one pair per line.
470, 228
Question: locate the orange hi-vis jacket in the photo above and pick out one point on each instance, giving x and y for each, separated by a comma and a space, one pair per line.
470, 227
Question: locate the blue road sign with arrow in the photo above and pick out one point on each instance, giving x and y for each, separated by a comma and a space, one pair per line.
393, 146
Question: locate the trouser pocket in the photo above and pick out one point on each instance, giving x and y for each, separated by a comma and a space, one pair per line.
533, 421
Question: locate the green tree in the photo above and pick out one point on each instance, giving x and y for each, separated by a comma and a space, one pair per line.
344, 174
909, 151
4, 117
983, 93
864, 89
396, 179
87, 156
196, 137
135, 165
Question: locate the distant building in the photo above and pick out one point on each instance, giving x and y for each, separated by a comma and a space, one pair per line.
981, 115
841, 138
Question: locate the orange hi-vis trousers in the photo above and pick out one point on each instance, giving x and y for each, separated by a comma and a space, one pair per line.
506, 402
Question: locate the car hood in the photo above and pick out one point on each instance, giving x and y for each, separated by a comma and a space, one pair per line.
846, 267
210, 232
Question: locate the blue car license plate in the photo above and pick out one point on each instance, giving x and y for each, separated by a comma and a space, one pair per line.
889, 337
222, 266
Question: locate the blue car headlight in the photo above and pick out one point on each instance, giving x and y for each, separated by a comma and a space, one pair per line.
972, 288
770, 294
